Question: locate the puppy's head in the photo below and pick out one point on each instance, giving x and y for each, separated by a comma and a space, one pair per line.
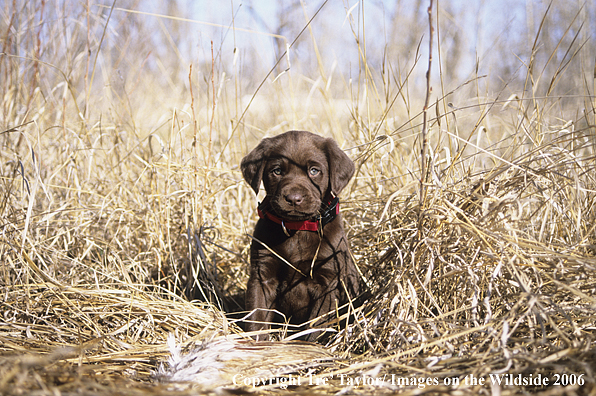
298, 169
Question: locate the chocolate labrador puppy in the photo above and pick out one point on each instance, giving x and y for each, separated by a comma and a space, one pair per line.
300, 264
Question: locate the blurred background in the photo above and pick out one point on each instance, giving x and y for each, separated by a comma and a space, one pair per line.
142, 51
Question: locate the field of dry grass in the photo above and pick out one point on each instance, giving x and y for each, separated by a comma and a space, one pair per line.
121, 200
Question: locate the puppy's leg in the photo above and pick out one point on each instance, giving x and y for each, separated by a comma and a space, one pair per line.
324, 304
260, 298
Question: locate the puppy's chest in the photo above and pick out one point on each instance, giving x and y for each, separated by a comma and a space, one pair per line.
296, 254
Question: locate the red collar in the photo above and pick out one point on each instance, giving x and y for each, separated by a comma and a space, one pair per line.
327, 216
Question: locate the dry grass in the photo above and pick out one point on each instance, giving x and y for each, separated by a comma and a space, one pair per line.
119, 202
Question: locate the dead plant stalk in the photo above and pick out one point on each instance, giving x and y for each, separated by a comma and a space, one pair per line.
423, 153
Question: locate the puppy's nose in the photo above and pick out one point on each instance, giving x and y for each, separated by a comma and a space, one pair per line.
294, 198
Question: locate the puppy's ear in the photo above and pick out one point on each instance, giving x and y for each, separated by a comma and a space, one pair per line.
341, 167
252, 165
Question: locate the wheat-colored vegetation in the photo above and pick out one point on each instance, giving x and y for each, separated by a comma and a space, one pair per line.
121, 198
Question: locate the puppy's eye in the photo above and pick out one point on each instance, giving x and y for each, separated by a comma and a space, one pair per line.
276, 171
314, 171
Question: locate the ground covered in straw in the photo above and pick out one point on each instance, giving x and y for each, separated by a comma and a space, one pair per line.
125, 222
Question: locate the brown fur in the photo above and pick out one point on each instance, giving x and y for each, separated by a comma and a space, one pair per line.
300, 171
